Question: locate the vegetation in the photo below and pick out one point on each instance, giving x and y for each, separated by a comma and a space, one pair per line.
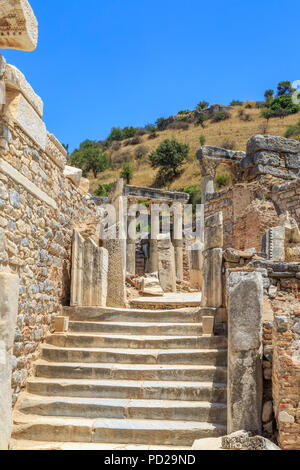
236, 103
222, 181
220, 116
293, 131
169, 156
103, 190
282, 105
202, 140
120, 134
195, 193
89, 157
127, 172
202, 105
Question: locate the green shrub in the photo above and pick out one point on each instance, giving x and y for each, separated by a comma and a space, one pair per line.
103, 190
170, 155
195, 193
161, 124
200, 119
202, 105
221, 116
127, 172
280, 106
236, 103
222, 181
293, 131
90, 157
202, 140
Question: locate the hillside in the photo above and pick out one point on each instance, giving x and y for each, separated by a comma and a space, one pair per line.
234, 130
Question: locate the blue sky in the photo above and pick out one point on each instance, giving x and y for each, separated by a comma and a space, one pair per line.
105, 63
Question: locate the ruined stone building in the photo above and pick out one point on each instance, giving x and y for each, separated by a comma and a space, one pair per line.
112, 340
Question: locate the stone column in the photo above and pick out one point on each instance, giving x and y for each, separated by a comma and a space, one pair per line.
177, 240
9, 293
155, 230
131, 244
77, 270
208, 170
207, 186
196, 265
212, 261
245, 387
116, 289
166, 263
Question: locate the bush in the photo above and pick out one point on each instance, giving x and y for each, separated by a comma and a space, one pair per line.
202, 105
115, 146
153, 135
103, 190
200, 119
250, 104
127, 173
135, 141
150, 128
179, 125
141, 152
170, 156
244, 116
236, 103
195, 193
228, 144
120, 157
202, 140
121, 134
141, 131
161, 124
222, 181
221, 116
90, 157
293, 131
281, 106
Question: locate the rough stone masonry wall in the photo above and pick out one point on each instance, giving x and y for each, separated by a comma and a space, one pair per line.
246, 218
35, 237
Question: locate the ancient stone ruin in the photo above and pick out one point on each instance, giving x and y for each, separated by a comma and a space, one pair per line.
113, 335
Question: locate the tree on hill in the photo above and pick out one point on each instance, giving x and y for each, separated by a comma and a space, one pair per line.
89, 157
170, 156
127, 172
284, 88
202, 105
269, 96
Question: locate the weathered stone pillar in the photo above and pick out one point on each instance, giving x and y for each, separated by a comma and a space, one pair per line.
155, 230
9, 292
177, 240
196, 265
166, 263
115, 243
207, 186
89, 273
212, 261
131, 244
245, 312
77, 270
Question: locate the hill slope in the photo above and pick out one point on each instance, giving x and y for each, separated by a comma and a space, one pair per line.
233, 130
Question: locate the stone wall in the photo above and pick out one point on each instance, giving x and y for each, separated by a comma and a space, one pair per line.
39, 208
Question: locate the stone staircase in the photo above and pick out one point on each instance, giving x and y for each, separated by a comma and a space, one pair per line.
125, 379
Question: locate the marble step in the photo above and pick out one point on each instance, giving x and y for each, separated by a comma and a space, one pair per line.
155, 390
130, 371
137, 328
138, 356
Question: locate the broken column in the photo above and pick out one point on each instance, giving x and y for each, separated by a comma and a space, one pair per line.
177, 240
115, 243
245, 310
212, 262
166, 263
131, 243
9, 292
155, 230
196, 265
89, 273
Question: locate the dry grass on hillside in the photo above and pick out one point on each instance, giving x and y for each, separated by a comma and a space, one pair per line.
233, 129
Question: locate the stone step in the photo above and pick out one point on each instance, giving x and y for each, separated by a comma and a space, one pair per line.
139, 328
149, 432
122, 408
131, 356
20, 445
105, 314
130, 371
155, 390
81, 340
